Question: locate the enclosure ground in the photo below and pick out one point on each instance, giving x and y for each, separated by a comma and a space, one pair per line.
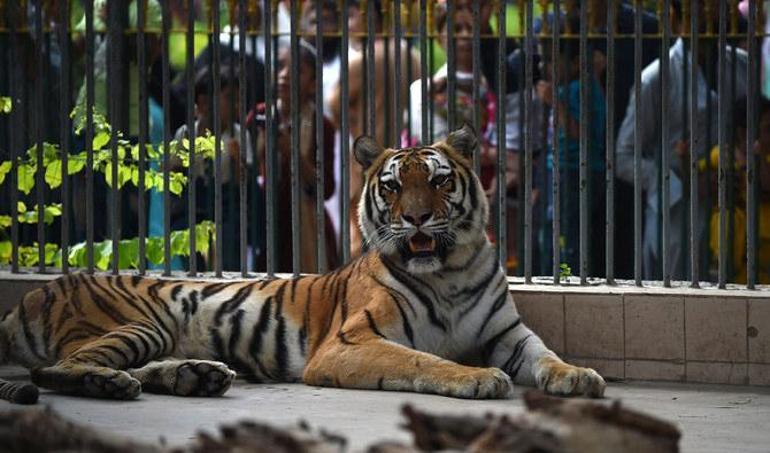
713, 418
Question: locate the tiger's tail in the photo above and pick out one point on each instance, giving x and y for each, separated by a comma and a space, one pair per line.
15, 392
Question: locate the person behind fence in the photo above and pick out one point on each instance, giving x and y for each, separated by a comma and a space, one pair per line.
231, 146
737, 194
678, 146
358, 119
307, 151
438, 95
567, 92
329, 16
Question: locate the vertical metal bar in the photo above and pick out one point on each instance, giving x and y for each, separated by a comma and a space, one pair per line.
370, 76
38, 115
243, 148
684, 100
216, 103
141, 15
64, 129
722, 142
695, 137
584, 119
451, 66
384, 66
295, 140
112, 67
166, 80
751, 134
13, 132
89, 6
529, 121
425, 138
398, 111
501, 151
431, 60
610, 151
409, 72
665, 166
638, 143
269, 156
520, 202
556, 192
191, 134
477, 82
320, 213
345, 137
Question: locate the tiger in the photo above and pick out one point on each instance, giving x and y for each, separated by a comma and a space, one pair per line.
426, 309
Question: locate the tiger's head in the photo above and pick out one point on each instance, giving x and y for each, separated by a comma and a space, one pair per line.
420, 205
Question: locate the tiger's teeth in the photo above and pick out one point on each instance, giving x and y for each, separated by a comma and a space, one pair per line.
421, 242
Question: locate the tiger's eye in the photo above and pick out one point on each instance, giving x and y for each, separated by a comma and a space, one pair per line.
440, 180
390, 186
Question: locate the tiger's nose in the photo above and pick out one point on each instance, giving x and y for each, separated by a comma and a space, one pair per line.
417, 219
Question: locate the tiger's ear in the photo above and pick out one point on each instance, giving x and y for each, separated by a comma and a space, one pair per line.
464, 141
367, 150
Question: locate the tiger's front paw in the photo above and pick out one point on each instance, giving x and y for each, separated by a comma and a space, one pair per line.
559, 378
480, 383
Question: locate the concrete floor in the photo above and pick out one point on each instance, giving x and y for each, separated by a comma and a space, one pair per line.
712, 418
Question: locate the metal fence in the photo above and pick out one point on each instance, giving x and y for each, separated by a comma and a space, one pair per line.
598, 159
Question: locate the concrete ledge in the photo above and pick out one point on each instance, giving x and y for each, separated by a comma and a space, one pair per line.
678, 334
705, 336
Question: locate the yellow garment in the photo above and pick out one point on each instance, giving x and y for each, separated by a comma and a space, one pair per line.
739, 242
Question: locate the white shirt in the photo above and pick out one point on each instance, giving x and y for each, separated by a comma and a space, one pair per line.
651, 119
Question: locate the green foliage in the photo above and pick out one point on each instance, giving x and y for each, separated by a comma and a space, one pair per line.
28, 254
565, 271
6, 104
127, 162
5, 167
103, 159
128, 250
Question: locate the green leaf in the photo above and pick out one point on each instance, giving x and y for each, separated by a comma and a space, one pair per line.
76, 163
57, 259
124, 175
128, 250
53, 174
52, 210
108, 173
50, 153
154, 250
5, 252
21, 207
101, 139
103, 254
152, 152
28, 255
203, 237
135, 176
6, 104
5, 168
180, 243
5, 221
26, 177
175, 187
51, 250
77, 255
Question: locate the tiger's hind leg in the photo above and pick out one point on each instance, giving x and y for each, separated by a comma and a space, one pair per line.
185, 377
96, 368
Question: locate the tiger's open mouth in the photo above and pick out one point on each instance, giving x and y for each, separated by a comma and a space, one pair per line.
422, 244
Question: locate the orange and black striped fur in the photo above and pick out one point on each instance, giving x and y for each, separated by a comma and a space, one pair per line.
426, 310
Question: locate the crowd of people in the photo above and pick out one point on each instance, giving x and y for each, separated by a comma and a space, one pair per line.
560, 131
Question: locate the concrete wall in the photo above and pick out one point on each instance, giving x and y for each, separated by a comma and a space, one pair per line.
624, 332
684, 335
